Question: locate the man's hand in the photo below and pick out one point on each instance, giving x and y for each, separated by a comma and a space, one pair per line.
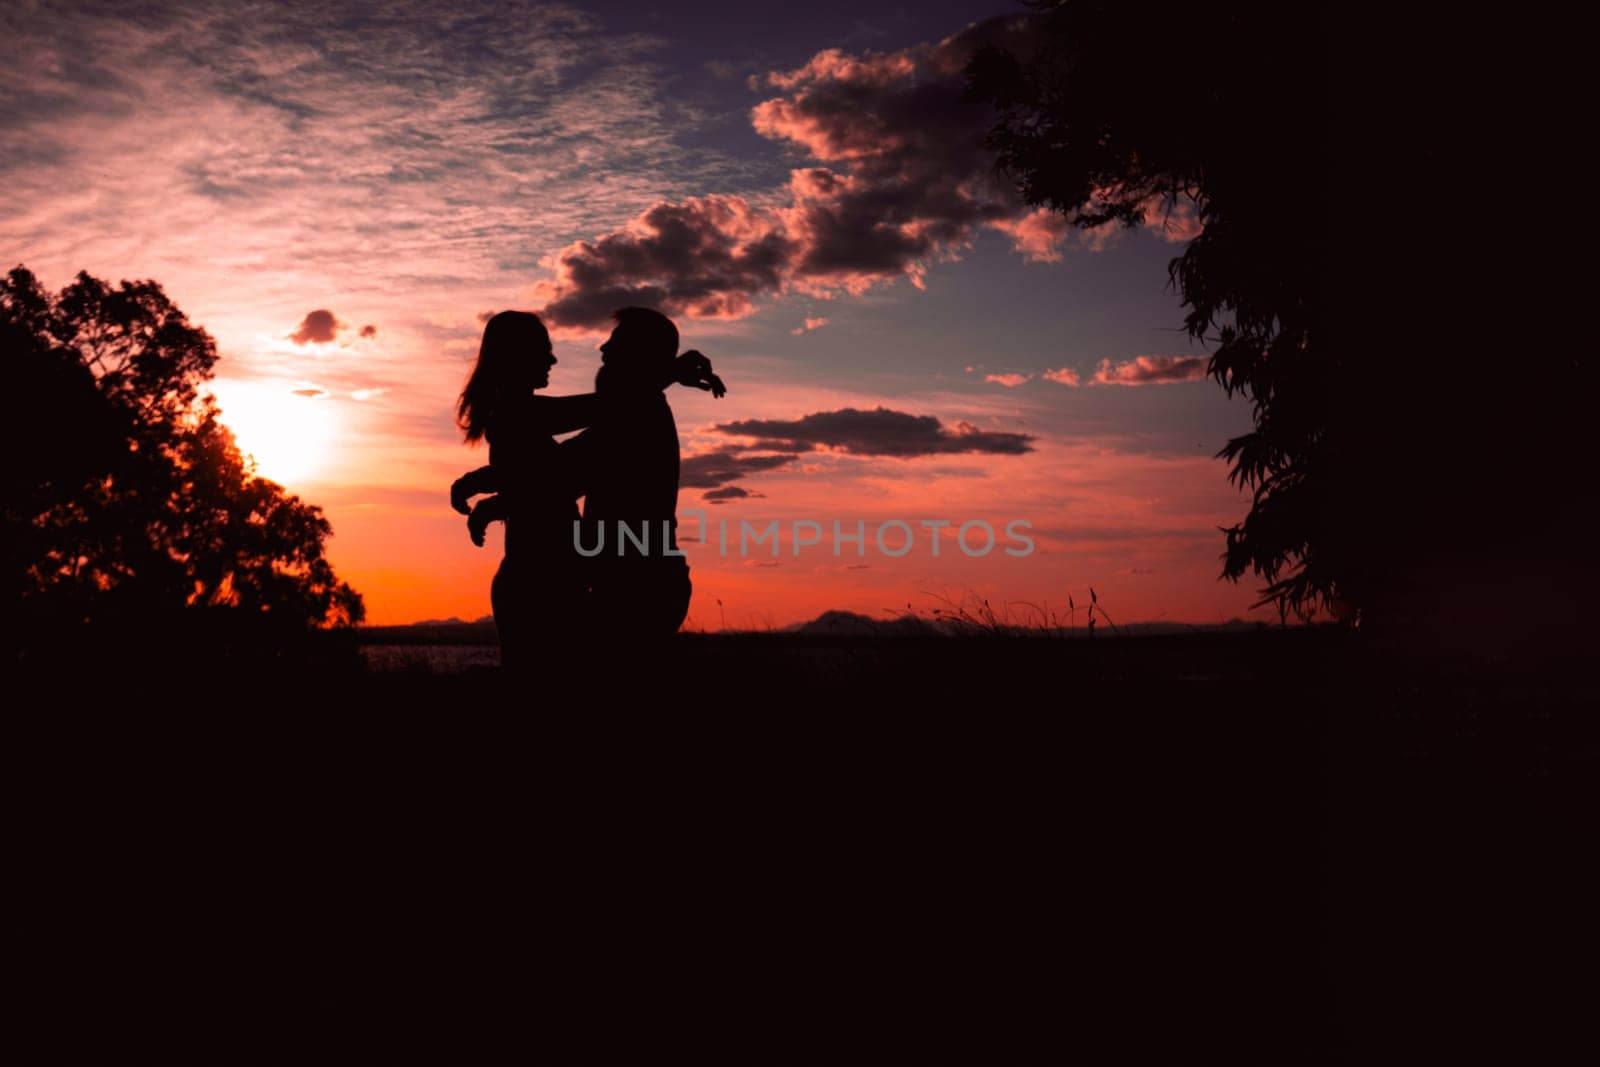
478, 524
471, 484
459, 496
694, 370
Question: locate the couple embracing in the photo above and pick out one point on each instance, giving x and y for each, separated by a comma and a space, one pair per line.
624, 464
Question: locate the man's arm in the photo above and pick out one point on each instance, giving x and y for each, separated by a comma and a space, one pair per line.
471, 484
487, 510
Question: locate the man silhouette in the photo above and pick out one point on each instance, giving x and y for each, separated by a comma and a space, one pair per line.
626, 465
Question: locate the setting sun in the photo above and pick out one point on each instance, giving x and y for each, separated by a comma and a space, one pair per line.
289, 434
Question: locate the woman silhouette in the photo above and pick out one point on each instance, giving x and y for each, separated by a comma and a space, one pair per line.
538, 591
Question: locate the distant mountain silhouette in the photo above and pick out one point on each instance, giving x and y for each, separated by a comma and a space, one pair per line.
451, 631
847, 623
835, 623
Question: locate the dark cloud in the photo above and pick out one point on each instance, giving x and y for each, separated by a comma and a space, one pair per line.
318, 327
369, 331
706, 257
880, 432
312, 391
906, 177
897, 178
712, 470
727, 493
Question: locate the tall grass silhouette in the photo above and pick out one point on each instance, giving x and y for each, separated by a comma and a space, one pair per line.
976, 616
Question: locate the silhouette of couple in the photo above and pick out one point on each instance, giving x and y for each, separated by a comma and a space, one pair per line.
624, 464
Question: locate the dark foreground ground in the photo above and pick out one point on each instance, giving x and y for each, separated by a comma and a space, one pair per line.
1279, 847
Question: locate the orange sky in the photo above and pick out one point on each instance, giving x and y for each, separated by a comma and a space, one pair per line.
1140, 529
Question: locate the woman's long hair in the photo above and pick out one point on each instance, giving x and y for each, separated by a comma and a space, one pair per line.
510, 340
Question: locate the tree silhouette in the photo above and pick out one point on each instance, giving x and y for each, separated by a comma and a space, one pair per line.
1421, 404
1126, 113
128, 507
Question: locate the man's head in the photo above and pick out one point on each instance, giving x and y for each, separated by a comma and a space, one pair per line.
640, 351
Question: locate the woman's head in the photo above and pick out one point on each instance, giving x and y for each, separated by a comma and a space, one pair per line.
514, 359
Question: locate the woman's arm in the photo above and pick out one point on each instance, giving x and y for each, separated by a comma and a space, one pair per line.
555, 415
693, 369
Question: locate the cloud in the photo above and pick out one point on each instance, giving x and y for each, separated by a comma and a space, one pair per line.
1038, 235
880, 432
808, 325
1140, 370
712, 470
369, 331
367, 394
1151, 370
895, 177
706, 257
368, 155
318, 327
1010, 381
310, 391
727, 493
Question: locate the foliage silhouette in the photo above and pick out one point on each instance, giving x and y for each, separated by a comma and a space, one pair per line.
128, 508
1111, 123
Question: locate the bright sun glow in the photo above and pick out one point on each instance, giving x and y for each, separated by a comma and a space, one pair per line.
290, 436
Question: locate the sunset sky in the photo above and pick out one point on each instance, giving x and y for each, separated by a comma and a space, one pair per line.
339, 192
